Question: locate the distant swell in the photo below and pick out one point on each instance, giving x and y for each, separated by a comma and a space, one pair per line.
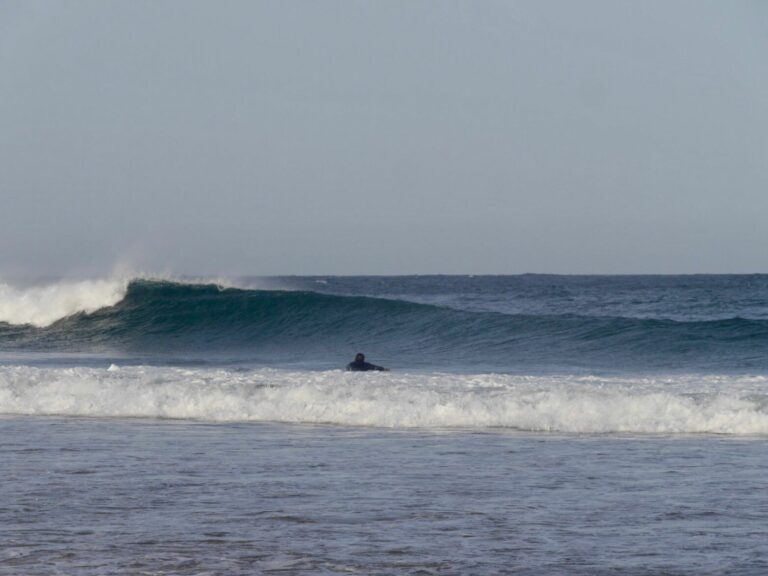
277, 328
567, 404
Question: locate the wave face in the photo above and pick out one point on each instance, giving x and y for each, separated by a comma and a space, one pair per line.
567, 404
279, 328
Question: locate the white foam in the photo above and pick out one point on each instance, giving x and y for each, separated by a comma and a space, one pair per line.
44, 305
680, 405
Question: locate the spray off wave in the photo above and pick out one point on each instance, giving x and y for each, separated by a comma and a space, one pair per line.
41, 306
565, 404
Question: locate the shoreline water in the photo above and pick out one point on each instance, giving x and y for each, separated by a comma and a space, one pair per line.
91, 496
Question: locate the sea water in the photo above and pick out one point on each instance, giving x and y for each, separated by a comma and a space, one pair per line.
530, 425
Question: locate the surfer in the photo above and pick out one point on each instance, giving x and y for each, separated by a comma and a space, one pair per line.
360, 365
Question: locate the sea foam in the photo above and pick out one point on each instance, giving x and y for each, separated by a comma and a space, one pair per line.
566, 404
43, 305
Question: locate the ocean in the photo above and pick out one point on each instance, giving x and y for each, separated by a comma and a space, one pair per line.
533, 424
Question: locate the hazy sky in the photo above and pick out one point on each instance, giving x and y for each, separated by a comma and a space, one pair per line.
330, 137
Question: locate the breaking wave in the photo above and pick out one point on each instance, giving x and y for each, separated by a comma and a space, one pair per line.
278, 328
41, 306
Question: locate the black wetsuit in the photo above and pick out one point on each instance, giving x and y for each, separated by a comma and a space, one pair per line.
363, 367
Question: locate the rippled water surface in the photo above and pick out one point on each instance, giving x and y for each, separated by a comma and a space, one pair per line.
116, 496
530, 425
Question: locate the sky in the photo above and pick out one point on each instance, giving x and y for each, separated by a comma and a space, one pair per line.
388, 137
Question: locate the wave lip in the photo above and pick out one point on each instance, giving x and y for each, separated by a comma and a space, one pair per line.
41, 306
736, 405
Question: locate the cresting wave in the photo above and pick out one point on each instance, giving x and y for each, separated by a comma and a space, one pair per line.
41, 306
566, 404
278, 328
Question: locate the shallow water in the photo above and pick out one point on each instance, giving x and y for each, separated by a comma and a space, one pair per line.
118, 496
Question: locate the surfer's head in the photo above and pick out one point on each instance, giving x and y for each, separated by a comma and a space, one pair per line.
359, 357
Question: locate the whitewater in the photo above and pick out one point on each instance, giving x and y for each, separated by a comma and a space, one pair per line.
43, 305
569, 404
576, 425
